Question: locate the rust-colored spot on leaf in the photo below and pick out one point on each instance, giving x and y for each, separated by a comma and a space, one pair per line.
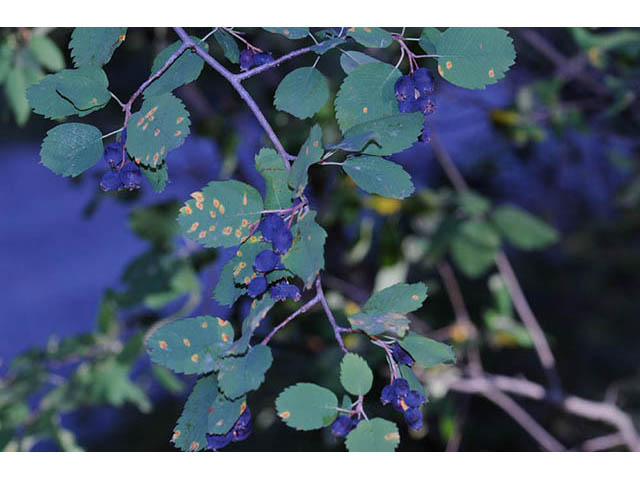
239, 253
179, 120
492, 73
315, 144
244, 222
212, 213
204, 324
163, 344
194, 226
285, 414
220, 422
202, 234
449, 64
238, 233
216, 203
224, 337
121, 38
365, 110
144, 127
415, 297
221, 322
156, 132
186, 210
211, 409
212, 228
392, 436
194, 358
367, 29
227, 230
178, 133
195, 445
186, 342
175, 436
440, 71
221, 209
243, 407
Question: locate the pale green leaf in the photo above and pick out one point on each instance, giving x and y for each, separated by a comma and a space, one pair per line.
310, 153
71, 148
15, 89
302, 92
372, 37
523, 229
379, 176
355, 375
305, 258
239, 375
352, 59
185, 69
307, 406
47, 53
375, 435
277, 192
93, 46
190, 433
427, 352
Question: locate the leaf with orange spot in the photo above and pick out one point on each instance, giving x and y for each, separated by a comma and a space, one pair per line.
393, 133
223, 414
240, 375
205, 345
252, 321
372, 37
292, 33
94, 46
309, 406
192, 426
310, 153
375, 435
163, 113
236, 206
305, 258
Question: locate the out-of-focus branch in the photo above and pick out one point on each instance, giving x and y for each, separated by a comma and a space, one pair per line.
332, 320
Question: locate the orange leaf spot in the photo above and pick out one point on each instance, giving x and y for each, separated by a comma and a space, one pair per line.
415, 297
202, 234
194, 358
179, 120
285, 414
212, 213
224, 337
178, 133
163, 344
222, 322
227, 230
449, 64
365, 110
156, 132
186, 342
204, 325
194, 226
492, 73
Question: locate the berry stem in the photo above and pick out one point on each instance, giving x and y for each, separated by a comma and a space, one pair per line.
242, 39
204, 39
256, 70
106, 135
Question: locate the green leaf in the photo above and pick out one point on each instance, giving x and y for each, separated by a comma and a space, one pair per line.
379, 176
367, 94
427, 352
429, 39
190, 433
71, 148
307, 406
185, 69
191, 345
414, 384
305, 258
94, 46
394, 133
385, 310
228, 45
108, 315
474, 57
354, 143
375, 435
238, 272
473, 203
15, 89
224, 413
169, 381
222, 214
156, 223
46, 53
479, 232
70, 92
277, 192
239, 375
158, 177
372, 37
6, 59
352, 59
327, 45
292, 33
161, 124
259, 310
398, 298
471, 258
355, 375
523, 229
302, 92
310, 153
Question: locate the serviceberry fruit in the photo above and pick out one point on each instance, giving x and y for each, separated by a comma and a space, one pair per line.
284, 290
400, 387
341, 426
257, 286
413, 417
130, 176
404, 88
110, 181
401, 355
267, 261
112, 154
387, 395
243, 427
216, 442
246, 59
423, 80
262, 58
414, 399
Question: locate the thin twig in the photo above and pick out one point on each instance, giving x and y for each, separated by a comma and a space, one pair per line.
244, 94
255, 71
605, 442
304, 308
332, 320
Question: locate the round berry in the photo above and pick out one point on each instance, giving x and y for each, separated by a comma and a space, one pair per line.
400, 387
257, 286
216, 442
271, 225
112, 154
404, 88
407, 106
262, 58
246, 59
110, 181
414, 399
243, 427
283, 290
413, 417
387, 395
341, 426
282, 241
266, 261
423, 78
130, 176
401, 355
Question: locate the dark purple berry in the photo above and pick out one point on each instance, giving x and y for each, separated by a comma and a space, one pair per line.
216, 442
404, 88
282, 241
341, 426
267, 261
387, 395
262, 58
257, 286
425, 105
271, 225
401, 355
283, 290
400, 387
130, 176
413, 417
398, 404
407, 106
243, 427
110, 181
423, 80
112, 154
246, 59
414, 399
426, 133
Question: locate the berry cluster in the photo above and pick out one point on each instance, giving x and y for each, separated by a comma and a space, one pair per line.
413, 95
119, 176
404, 400
240, 431
342, 425
401, 356
274, 230
250, 58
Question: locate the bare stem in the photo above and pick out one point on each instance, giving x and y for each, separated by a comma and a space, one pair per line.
244, 94
332, 320
255, 71
304, 308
